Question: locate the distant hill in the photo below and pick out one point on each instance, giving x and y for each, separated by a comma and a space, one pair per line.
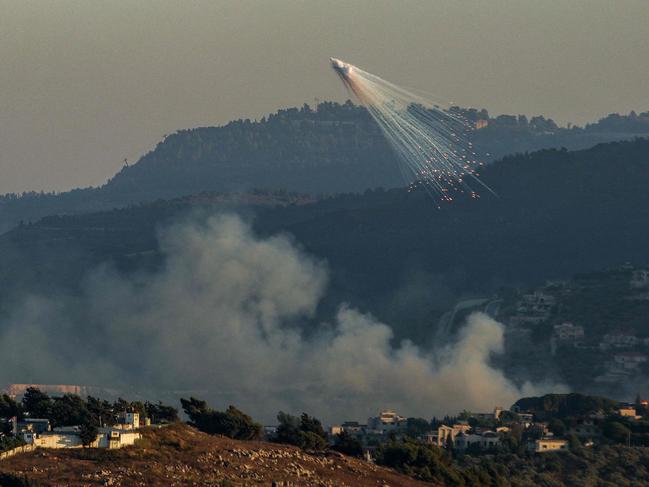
331, 149
392, 252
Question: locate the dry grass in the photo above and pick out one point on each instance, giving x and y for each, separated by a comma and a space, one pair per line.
182, 456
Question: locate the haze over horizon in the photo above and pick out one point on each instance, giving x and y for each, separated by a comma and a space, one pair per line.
87, 84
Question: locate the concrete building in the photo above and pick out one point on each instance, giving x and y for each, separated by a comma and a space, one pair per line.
628, 412
548, 444
446, 434
69, 437
352, 427
130, 419
486, 440
387, 420
35, 425
489, 416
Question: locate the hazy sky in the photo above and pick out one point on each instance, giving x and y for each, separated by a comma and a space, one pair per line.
84, 84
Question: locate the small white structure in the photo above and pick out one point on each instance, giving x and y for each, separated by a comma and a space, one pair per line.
352, 427
628, 412
130, 420
488, 439
489, 416
387, 420
548, 444
69, 437
444, 434
37, 425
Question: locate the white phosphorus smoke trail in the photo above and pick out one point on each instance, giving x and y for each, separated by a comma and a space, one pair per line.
431, 143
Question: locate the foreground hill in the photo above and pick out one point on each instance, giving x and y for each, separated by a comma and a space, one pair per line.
332, 149
180, 455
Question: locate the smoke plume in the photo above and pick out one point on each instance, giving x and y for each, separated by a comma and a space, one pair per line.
225, 316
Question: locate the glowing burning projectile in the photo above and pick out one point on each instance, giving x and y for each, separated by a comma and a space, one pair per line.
431, 143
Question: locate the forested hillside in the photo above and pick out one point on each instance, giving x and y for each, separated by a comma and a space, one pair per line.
331, 149
392, 252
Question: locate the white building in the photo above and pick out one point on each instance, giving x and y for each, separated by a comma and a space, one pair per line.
628, 412
387, 420
131, 420
489, 416
444, 434
486, 440
69, 437
352, 427
548, 444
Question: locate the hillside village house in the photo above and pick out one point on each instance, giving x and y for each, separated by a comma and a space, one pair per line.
548, 444
489, 416
444, 434
486, 440
628, 412
352, 427
387, 420
37, 432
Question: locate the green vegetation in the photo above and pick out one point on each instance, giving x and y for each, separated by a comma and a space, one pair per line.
348, 444
9, 443
72, 410
565, 405
334, 148
304, 431
387, 255
231, 422
88, 432
605, 466
419, 460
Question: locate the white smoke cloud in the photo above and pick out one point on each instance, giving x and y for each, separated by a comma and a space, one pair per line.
223, 316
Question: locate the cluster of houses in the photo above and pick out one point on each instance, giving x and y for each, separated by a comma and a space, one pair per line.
486, 431
459, 436
624, 354
39, 433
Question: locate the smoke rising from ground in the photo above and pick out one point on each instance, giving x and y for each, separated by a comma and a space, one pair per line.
223, 316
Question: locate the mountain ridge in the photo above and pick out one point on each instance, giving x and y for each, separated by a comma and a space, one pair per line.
332, 149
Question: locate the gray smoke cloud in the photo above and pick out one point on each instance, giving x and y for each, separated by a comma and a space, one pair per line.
225, 316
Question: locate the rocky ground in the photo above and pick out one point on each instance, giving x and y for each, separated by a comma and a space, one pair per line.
182, 456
